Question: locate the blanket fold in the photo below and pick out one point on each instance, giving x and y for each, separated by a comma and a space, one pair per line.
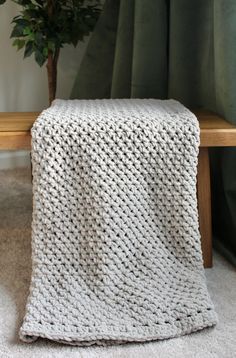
115, 239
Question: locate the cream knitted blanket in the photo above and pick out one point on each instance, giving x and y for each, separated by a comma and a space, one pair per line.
115, 238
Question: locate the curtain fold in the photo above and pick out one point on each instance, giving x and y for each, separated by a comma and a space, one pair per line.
94, 79
191, 56
172, 49
150, 63
123, 59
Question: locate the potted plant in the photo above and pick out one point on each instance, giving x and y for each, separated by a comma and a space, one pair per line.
44, 26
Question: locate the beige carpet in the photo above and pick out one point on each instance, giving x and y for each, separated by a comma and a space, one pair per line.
15, 266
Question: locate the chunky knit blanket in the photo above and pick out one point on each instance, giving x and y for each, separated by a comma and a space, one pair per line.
116, 244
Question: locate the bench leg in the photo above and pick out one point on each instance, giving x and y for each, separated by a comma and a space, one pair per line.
204, 205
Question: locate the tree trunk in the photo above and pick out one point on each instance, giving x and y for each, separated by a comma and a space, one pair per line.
52, 74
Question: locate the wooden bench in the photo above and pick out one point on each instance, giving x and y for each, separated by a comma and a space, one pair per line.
215, 132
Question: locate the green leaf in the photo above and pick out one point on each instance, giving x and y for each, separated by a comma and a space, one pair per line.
51, 46
29, 49
27, 31
18, 31
19, 43
39, 58
21, 22
45, 52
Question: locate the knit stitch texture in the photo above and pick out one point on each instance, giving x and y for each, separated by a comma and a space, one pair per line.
115, 237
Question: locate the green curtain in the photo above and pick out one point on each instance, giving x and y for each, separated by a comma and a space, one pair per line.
178, 49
